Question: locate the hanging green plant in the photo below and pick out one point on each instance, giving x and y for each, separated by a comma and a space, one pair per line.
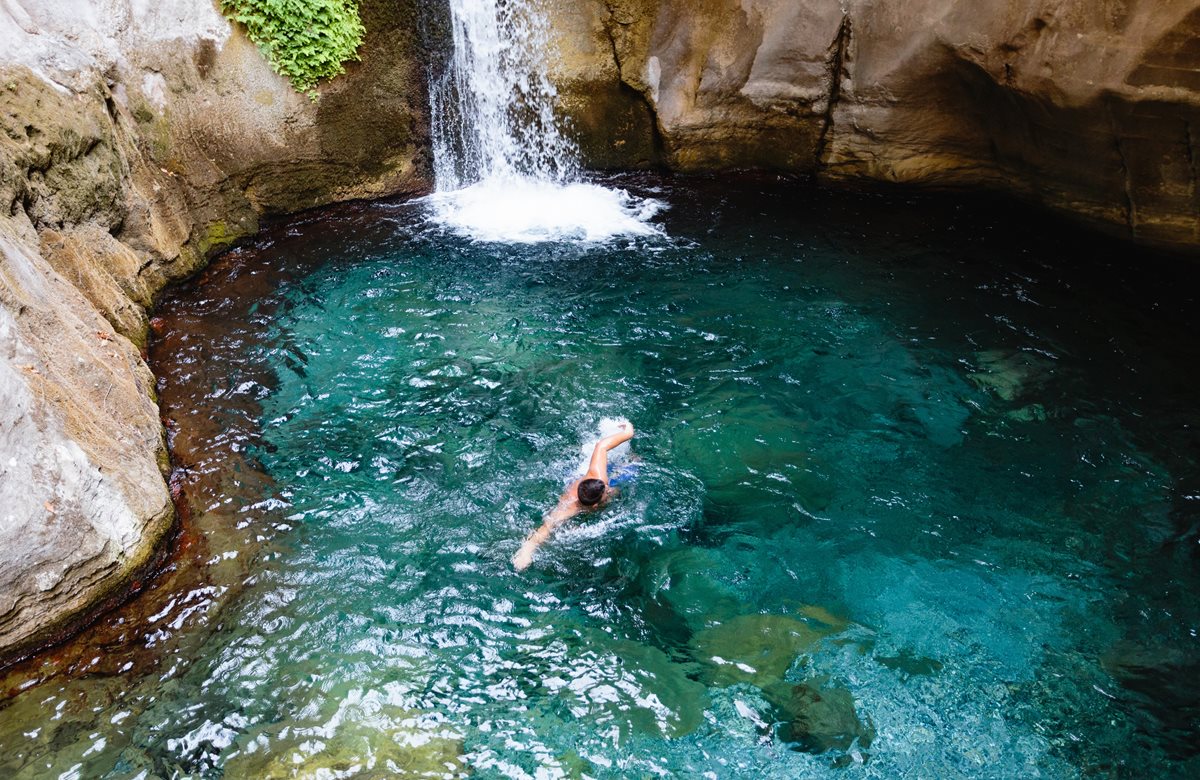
304, 40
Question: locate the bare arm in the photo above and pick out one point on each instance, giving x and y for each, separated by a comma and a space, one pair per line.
567, 508
598, 467
568, 504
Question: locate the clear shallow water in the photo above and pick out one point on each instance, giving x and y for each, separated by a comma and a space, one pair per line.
918, 498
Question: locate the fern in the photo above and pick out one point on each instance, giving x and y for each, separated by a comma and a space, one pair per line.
304, 40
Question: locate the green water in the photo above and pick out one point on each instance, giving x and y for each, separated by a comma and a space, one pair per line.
919, 498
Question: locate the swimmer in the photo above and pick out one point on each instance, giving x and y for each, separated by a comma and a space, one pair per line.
583, 495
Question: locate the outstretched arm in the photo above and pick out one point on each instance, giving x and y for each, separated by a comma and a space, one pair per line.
566, 509
598, 467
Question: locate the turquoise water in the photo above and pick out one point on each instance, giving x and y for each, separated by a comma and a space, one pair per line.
918, 498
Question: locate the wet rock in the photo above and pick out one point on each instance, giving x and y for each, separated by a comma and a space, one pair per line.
1089, 108
820, 717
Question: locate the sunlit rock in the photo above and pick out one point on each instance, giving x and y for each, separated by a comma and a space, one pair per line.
1089, 108
390, 742
138, 140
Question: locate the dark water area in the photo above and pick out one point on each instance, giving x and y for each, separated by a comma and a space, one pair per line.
919, 497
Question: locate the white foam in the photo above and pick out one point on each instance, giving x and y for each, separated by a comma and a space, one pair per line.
617, 455
524, 210
504, 169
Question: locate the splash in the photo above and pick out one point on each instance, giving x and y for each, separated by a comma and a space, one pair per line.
526, 210
504, 170
617, 455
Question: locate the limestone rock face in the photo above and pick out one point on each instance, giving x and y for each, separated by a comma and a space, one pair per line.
1087, 106
135, 140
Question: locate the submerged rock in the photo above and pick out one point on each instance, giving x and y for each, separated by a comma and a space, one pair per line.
352, 750
633, 687
820, 717
909, 664
1011, 375
755, 655
743, 711
1163, 686
1030, 413
756, 649
684, 585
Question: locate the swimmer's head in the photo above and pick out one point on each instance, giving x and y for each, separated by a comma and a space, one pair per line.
590, 491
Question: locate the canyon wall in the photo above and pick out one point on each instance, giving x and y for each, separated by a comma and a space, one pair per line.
136, 139
1090, 107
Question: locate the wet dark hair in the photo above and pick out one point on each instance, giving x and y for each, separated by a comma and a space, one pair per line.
590, 491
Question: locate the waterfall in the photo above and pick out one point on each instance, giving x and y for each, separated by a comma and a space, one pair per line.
504, 168
493, 111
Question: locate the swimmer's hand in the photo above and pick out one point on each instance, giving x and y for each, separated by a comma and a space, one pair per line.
624, 433
523, 558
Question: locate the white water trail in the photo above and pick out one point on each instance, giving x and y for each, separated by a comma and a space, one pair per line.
504, 170
616, 456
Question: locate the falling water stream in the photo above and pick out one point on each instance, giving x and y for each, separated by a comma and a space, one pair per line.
493, 108
504, 169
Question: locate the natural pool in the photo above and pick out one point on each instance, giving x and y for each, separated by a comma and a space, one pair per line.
920, 497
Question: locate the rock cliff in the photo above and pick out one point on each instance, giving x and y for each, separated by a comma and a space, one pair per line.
1090, 107
135, 140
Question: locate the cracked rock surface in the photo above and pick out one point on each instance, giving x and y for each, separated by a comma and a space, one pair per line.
1089, 107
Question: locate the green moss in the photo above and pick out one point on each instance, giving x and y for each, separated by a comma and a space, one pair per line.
210, 240
216, 236
304, 40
